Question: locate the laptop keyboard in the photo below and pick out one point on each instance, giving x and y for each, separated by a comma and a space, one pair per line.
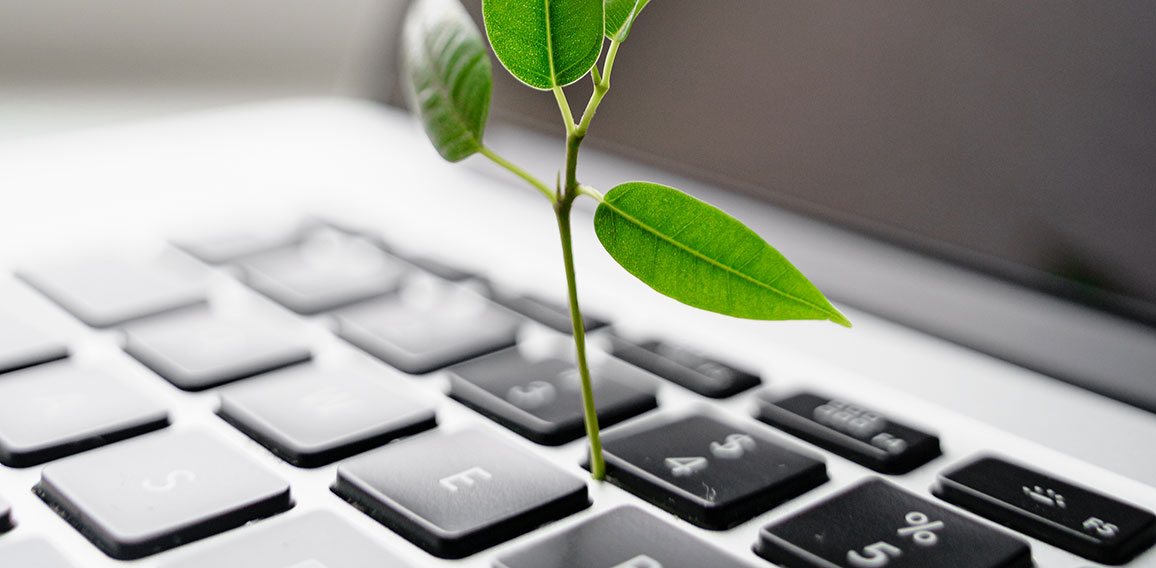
318, 401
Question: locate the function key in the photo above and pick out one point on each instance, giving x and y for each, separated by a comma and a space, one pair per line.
428, 325
542, 399
55, 410
625, 537
310, 416
104, 293
157, 492
546, 312
877, 524
200, 349
32, 553
22, 345
711, 473
319, 539
5, 515
1053, 510
854, 432
326, 270
686, 367
456, 494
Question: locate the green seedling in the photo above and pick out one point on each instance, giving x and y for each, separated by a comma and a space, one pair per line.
676, 244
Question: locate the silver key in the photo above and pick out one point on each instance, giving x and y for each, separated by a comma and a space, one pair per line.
199, 349
54, 410
158, 491
104, 293
311, 416
325, 271
319, 539
427, 326
22, 345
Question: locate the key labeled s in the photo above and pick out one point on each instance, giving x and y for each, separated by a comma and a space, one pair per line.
171, 480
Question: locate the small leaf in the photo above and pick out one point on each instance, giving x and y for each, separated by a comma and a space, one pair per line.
448, 76
620, 16
699, 255
545, 43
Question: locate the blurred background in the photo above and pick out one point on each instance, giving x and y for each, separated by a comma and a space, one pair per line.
1017, 138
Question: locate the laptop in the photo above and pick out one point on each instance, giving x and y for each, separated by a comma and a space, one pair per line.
288, 334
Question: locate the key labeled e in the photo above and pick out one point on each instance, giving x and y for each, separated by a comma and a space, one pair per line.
170, 481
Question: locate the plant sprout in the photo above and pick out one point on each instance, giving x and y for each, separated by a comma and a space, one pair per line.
676, 244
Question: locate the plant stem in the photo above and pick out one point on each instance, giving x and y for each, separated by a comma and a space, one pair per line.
601, 85
494, 157
597, 464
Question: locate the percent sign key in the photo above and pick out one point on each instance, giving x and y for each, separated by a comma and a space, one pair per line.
876, 524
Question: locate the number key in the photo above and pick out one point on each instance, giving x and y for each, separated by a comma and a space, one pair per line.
711, 473
876, 524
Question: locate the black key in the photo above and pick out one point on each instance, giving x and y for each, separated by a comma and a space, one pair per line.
686, 367
854, 432
1055, 511
428, 326
32, 553
55, 410
104, 293
156, 492
5, 515
551, 314
326, 270
319, 539
877, 524
199, 349
625, 537
456, 494
23, 346
542, 399
712, 473
311, 417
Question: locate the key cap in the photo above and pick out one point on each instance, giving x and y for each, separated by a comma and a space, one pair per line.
854, 432
625, 537
5, 515
428, 326
59, 409
542, 400
1055, 511
105, 293
325, 271
456, 494
159, 491
877, 524
310, 417
318, 539
685, 367
31, 553
554, 315
200, 349
22, 345
222, 248
441, 269
711, 473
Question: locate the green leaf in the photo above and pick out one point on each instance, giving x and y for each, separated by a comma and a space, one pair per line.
699, 255
620, 15
545, 43
448, 76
